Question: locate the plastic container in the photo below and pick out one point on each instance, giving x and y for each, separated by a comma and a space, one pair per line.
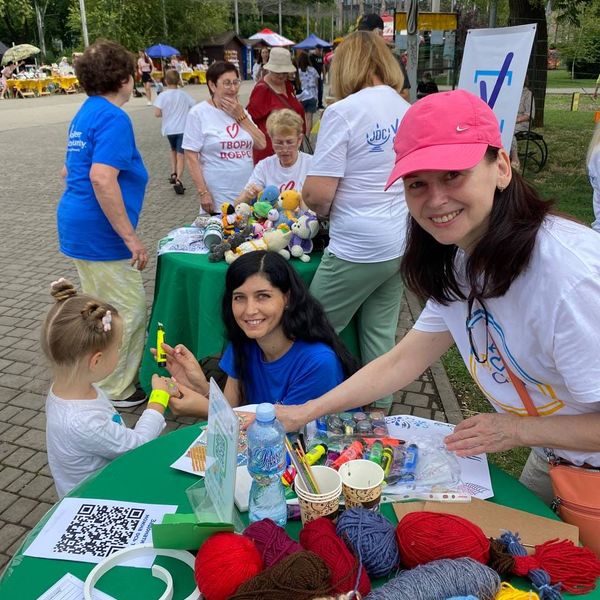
266, 464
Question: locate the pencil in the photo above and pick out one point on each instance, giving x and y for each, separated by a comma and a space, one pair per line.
309, 472
296, 463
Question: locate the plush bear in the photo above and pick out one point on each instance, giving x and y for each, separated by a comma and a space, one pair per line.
289, 205
218, 251
303, 231
274, 240
243, 211
270, 194
272, 218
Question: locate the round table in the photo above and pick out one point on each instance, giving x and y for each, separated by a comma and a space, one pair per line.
144, 475
187, 301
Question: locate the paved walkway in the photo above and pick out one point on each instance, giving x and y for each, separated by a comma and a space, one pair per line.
32, 147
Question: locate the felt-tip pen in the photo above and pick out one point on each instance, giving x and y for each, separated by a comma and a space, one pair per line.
161, 355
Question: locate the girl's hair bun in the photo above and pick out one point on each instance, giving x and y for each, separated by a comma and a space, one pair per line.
92, 314
62, 289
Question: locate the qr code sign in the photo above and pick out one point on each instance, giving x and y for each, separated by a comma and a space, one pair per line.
100, 530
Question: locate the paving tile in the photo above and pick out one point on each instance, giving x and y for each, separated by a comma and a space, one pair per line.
36, 487
33, 438
14, 433
35, 463
36, 514
18, 484
6, 394
23, 415
29, 400
17, 511
9, 534
420, 400
6, 500
18, 457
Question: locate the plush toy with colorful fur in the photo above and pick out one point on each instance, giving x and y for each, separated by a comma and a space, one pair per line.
228, 218
289, 206
274, 240
303, 232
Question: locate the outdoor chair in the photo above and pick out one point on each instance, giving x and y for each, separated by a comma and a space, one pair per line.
532, 150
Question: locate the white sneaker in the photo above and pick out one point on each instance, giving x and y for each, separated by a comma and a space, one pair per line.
149, 103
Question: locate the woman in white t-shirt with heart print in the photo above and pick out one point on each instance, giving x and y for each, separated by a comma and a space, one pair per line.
218, 139
288, 167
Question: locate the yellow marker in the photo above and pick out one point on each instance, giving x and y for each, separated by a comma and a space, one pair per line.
161, 355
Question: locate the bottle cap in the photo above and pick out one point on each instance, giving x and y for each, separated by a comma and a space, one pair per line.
265, 412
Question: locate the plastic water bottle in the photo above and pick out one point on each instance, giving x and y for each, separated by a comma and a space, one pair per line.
266, 464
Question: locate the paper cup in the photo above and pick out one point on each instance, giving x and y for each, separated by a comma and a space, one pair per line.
362, 483
325, 504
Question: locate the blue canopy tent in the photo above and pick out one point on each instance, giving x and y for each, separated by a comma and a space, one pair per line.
312, 41
161, 51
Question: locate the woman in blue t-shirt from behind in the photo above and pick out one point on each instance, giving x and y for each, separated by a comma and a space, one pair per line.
281, 349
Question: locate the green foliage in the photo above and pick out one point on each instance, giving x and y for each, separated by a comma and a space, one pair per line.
583, 46
140, 23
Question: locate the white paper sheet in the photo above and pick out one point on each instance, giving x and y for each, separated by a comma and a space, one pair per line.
184, 462
69, 587
88, 530
475, 471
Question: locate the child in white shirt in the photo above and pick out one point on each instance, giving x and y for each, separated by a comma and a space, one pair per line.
81, 338
173, 106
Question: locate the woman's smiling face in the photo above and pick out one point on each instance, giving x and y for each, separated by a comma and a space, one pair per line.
258, 307
455, 206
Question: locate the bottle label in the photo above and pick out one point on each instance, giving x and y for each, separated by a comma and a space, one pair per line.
269, 459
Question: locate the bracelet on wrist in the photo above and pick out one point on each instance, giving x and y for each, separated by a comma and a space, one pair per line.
160, 397
242, 118
202, 193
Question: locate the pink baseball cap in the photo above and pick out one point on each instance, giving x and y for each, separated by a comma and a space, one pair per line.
447, 131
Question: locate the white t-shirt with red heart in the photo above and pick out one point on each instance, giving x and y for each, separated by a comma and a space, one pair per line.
225, 151
269, 171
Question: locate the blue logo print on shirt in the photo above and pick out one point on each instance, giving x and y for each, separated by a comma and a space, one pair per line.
381, 135
117, 418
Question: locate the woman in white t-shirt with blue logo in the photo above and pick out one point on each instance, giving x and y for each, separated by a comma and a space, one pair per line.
288, 167
358, 274
218, 140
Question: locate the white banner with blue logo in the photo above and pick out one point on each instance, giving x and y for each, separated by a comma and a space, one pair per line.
494, 66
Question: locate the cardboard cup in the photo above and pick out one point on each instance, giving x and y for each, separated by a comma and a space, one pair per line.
326, 504
327, 479
362, 484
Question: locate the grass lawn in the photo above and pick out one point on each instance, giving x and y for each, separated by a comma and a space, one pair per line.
562, 78
564, 180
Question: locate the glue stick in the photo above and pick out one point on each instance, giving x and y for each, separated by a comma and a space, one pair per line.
315, 454
353, 451
161, 355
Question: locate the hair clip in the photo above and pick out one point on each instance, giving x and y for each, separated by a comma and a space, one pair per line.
106, 321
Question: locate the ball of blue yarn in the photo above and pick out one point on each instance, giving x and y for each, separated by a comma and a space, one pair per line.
441, 579
372, 538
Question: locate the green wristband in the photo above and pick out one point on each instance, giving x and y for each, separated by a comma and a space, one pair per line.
160, 397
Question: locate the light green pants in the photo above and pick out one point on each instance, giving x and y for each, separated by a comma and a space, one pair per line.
117, 282
372, 292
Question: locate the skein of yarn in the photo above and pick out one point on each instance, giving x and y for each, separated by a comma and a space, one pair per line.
441, 579
425, 536
225, 561
319, 536
558, 562
372, 538
300, 576
272, 541
508, 592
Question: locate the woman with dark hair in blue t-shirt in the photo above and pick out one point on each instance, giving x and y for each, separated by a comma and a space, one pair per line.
281, 349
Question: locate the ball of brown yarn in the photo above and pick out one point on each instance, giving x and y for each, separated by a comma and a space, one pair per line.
301, 576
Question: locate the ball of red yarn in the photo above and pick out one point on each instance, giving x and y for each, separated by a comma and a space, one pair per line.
272, 541
224, 562
426, 536
319, 536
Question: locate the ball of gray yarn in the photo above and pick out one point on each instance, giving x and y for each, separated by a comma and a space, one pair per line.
441, 579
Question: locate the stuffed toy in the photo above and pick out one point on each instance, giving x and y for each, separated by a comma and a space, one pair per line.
260, 211
243, 211
303, 231
228, 218
202, 221
274, 240
272, 218
289, 205
270, 194
217, 252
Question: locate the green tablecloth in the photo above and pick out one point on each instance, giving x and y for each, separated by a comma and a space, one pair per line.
187, 301
144, 475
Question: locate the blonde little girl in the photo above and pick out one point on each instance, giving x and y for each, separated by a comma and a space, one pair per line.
81, 338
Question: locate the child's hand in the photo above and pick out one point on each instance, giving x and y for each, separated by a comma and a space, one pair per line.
189, 403
184, 367
163, 383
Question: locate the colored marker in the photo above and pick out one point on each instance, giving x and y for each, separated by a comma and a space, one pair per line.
409, 469
161, 355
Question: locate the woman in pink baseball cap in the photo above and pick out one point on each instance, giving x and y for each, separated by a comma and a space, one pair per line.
515, 286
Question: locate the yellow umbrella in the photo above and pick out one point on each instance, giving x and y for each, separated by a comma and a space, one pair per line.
20, 52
